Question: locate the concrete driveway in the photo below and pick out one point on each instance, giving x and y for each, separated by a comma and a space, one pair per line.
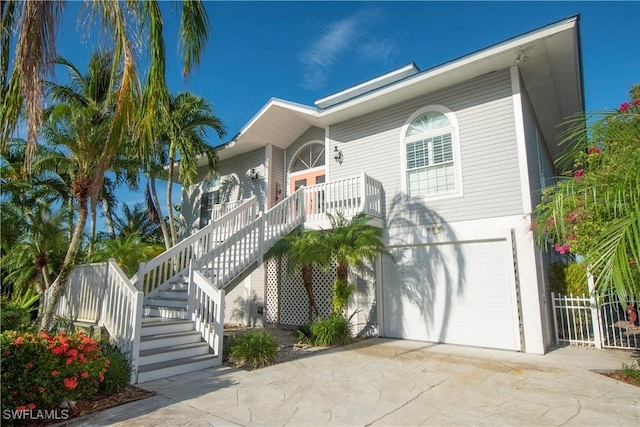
383, 382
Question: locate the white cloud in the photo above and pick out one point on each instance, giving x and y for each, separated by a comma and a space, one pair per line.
355, 34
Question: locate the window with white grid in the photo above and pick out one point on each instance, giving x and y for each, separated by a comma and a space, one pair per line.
429, 153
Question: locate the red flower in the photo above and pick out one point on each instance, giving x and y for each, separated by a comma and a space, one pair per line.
71, 383
6, 353
41, 389
31, 406
562, 249
28, 365
69, 361
82, 358
594, 150
21, 408
84, 374
54, 373
18, 341
58, 350
101, 378
624, 107
579, 173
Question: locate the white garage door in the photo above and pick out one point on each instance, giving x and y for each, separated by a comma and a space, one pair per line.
458, 293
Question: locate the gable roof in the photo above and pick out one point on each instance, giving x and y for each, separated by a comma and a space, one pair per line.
548, 58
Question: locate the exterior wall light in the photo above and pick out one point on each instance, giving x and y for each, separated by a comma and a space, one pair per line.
253, 174
337, 155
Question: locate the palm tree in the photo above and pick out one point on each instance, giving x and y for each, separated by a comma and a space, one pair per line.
350, 243
128, 251
302, 250
136, 221
35, 23
183, 130
119, 19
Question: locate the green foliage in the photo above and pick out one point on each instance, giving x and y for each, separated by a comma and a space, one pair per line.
39, 370
253, 350
119, 373
331, 331
13, 316
569, 279
341, 293
594, 211
304, 335
631, 371
128, 252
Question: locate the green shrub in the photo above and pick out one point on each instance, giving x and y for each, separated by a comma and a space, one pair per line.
304, 335
331, 331
631, 371
39, 371
569, 279
253, 350
119, 373
13, 316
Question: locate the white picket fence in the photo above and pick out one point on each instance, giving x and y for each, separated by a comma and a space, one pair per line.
589, 321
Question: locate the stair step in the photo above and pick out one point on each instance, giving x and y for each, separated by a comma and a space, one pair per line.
166, 327
181, 351
165, 340
166, 312
166, 302
176, 367
176, 294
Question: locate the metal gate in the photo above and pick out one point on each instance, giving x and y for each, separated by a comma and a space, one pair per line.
582, 320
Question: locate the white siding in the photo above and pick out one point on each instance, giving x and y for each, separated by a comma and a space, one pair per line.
488, 153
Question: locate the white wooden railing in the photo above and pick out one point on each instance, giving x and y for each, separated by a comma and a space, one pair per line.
206, 308
160, 270
101, 293
82, 300
122, 314
228, 260
359, 194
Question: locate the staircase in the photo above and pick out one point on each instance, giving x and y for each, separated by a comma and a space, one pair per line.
169, 317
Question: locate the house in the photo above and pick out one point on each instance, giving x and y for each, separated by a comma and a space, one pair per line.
460, 153
449, 162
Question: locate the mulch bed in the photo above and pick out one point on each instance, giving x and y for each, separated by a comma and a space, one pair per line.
619, 376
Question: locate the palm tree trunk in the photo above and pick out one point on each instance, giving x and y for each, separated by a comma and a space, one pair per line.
163, 225
172, 225
307, 279
92, 234
60, 283
108, 218
70, 213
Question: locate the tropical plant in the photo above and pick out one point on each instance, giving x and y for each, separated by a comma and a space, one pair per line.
136, 221
128, 251
118, 375
119, 19
331, 331
594, 211
13, 316
303, 250
351, 243
183, 129
254, 349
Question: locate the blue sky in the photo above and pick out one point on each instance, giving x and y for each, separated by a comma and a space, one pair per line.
303, 51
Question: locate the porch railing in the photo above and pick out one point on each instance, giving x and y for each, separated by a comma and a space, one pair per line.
206, 310
359, 194
155, 273
122, 314
83, 298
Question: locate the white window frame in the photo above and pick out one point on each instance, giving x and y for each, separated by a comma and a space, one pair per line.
453, 129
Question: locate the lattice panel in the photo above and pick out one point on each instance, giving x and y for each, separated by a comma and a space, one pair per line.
294, 304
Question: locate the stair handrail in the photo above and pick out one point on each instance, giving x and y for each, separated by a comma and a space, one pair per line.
153, 274
121, 314
228, 260
206, 309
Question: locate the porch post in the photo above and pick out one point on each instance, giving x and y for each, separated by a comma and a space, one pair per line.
595, 311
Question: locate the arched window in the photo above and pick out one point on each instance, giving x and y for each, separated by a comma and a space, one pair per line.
429, 142
308, 157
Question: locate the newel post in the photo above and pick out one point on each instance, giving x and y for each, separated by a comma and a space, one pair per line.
363, 192
140, 282
595, 311
191, 297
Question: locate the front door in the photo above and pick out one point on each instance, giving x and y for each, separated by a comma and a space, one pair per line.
307, 179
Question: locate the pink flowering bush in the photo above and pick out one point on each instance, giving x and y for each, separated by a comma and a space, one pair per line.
40, 370
593, 211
